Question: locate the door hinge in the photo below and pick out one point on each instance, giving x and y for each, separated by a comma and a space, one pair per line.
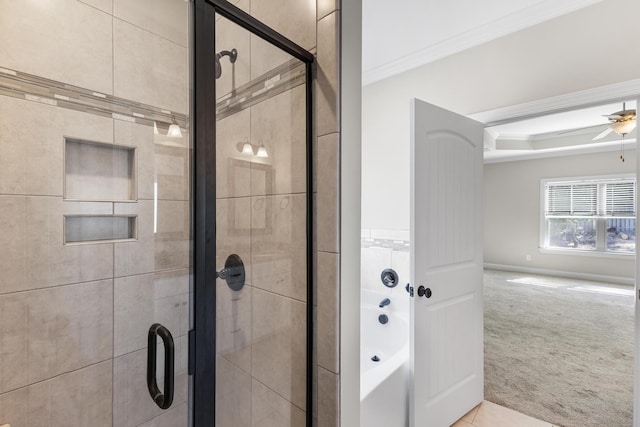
192, 351
409, 289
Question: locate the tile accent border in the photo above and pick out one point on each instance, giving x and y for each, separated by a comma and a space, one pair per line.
50, 92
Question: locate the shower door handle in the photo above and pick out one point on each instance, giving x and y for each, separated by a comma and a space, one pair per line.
163, 400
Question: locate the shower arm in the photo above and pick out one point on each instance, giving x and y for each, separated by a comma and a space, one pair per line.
232, 54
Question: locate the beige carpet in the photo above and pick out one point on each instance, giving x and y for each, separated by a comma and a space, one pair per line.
559, 350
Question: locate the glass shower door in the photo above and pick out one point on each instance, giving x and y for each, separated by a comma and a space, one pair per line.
261, 219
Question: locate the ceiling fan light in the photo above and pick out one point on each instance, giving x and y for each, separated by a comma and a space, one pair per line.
624, 127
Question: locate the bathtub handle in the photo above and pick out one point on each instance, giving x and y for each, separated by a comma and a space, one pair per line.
162, 400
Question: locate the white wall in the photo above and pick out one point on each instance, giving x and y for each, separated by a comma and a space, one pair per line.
585, 49
512, 212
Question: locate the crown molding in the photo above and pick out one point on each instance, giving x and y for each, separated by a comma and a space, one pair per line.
586, 98
516, 21
573, 150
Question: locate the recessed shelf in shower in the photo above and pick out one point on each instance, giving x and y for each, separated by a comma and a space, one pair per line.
95, 171
99, 228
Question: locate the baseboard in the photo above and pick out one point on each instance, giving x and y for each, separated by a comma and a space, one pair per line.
561, 273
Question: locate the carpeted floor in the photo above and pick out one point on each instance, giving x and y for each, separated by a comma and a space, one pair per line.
559, 350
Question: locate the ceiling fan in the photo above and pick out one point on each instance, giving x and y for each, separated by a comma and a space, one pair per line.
620, 122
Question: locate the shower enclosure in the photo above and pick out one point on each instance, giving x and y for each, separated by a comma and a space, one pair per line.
254, 213
154, 217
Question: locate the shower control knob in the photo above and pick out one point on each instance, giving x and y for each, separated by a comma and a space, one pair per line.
424, 292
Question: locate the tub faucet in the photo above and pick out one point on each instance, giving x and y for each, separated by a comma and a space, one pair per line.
384, 302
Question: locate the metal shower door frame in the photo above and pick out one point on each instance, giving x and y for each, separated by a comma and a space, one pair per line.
202, 338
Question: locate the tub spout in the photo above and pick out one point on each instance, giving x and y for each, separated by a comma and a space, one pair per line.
384, 302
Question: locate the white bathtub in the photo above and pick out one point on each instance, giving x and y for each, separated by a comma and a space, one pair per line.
384, 384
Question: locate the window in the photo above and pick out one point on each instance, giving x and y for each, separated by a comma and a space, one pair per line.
590, 214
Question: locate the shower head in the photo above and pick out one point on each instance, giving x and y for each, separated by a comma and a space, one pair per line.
233, 55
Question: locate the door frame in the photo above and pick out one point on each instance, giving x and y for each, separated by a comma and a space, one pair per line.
616, 92
202, 336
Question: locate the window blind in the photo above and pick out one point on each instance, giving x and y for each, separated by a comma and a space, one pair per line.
608, 198
621, 199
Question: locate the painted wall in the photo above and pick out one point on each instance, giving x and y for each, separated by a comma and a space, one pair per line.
512, 212
561, 56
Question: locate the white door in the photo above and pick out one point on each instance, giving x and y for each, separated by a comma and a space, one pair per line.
446, 266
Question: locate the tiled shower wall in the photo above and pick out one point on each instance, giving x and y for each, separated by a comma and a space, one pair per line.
74, 317
136, 50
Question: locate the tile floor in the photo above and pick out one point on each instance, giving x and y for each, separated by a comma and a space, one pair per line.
489, 414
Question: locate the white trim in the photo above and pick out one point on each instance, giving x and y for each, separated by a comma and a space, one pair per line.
347, 398
599, 95
593, 253
563, 151
560, 273
511, 23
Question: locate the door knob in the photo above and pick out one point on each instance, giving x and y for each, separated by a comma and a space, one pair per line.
424, 292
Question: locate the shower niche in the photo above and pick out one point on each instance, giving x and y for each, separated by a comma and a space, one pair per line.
96, 171
97, 178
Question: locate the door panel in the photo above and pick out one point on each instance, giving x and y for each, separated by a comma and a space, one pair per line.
261, 216
446, 261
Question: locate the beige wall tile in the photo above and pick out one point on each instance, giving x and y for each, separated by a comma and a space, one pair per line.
142, 300
233, 324
52, 331
171, 171
132, 404
141, 137
32, 144
327, 82
232, 36
137, 257
278, 245
270, 410
172, 239
279, 124
103, 5
327, 206
328, 304
77, 399
51, 263
158, 159
279, 345
233, 169
13, 229
66, 41
149, 68
233, 232
265, 57
328, 398
166, 18
167, 248
297, 24
325, 7
177, 415
233, 392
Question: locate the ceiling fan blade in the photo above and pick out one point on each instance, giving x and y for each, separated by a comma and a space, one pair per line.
604, 133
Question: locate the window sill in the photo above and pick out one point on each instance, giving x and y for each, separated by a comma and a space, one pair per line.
595, 254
